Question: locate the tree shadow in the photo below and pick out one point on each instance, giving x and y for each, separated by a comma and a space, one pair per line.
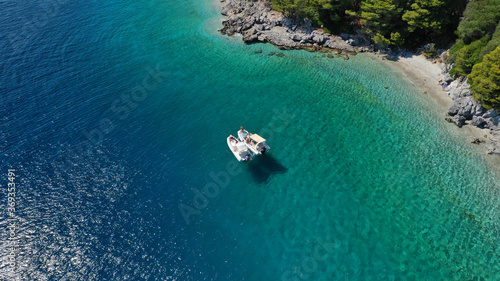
262, 167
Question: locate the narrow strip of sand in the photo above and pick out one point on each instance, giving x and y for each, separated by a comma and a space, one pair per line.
425, 74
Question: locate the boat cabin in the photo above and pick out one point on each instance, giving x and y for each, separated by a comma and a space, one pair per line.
258, 144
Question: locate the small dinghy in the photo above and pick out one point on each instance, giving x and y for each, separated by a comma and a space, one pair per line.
239, 149
254, 142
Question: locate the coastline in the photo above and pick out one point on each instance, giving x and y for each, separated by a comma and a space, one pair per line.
257, 22
422, 73
425, 74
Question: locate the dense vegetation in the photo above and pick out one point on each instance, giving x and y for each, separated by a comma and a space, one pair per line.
478, 34
485, 80
477, 50
387, 22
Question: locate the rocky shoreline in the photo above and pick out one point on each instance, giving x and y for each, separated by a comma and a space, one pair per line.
257, 22
465, 110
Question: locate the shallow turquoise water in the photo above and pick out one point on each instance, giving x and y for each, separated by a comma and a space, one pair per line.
364, 180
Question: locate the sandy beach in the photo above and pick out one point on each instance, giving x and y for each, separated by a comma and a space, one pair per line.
425, 74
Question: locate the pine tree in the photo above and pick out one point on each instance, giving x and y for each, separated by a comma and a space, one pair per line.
425, 14
378, 15
485, 80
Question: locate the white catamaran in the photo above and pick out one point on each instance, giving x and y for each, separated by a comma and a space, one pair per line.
254, 142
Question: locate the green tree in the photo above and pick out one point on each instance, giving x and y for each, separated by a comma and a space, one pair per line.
410, 22
380, 40
485, 80
387, 22
397, 39
425, 14
493, 43
468, 56
288, 7
378, 16
478, 34
480, 18
330, 13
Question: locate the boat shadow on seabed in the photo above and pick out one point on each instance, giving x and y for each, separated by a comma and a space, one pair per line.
263, 166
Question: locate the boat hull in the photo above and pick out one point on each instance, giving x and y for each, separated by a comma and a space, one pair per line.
262, 149
241, 135
239, 154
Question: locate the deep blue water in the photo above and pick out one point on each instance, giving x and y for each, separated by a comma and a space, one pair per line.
115, 114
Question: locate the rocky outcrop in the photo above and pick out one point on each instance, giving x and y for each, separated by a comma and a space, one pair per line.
478, 121
465, 110
463, 104
459, 120
467, 107
257, 22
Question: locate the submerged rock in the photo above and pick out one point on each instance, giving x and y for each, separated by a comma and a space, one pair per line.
475, 141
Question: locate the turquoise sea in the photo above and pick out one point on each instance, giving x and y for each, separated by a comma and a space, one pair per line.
114, 116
